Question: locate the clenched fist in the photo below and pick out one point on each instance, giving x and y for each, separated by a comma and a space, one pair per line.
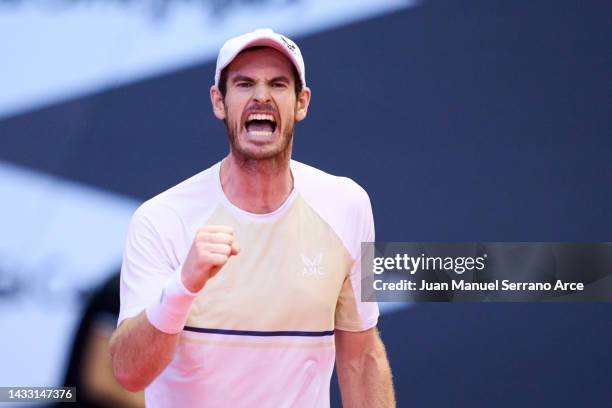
212, 247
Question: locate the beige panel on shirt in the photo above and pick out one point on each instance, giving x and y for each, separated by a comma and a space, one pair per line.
287, 277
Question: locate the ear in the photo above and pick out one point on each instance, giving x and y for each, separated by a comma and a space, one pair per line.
217, 102
303, 100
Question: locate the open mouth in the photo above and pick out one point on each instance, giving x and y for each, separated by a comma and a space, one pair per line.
260, 124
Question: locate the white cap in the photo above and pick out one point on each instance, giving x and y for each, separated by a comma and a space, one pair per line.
264, 37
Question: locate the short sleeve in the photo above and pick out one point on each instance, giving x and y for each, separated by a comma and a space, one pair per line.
351, 313
146, 267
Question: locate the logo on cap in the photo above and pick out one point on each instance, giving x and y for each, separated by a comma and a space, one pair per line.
288, 44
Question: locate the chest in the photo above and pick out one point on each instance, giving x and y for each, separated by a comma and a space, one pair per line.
287, 276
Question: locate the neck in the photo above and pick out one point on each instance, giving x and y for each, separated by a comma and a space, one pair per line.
256, 186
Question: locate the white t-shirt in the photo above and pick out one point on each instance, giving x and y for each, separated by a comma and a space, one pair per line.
260, 333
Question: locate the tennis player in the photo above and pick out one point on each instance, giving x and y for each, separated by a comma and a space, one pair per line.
240, 285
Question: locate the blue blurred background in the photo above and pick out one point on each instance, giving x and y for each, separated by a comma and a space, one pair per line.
464, 120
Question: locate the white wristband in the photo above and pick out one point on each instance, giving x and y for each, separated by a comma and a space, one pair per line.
169, 314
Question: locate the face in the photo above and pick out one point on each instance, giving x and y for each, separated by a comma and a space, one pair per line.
260, 107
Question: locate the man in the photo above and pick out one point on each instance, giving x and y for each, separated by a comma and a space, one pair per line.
239, 284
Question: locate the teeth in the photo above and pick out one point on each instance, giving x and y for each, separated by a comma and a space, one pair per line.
260, 133
261, 116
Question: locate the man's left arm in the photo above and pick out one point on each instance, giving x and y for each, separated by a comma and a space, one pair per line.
363, 370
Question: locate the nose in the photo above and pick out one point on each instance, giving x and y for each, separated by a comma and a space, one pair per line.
261, 93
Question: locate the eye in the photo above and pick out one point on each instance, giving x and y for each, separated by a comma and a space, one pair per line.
243, 84
279, 85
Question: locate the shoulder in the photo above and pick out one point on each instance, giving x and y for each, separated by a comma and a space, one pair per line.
342, 203
195, 194
318, 185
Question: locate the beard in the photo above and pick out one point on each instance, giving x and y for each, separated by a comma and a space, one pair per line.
277, 151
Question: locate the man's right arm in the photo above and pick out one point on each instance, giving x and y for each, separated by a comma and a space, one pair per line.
140, 352
142, 346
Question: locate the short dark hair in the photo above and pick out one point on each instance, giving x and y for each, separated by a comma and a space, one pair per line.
223, 76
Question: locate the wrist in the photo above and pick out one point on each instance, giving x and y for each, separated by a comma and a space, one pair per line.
169, 314
190, 283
